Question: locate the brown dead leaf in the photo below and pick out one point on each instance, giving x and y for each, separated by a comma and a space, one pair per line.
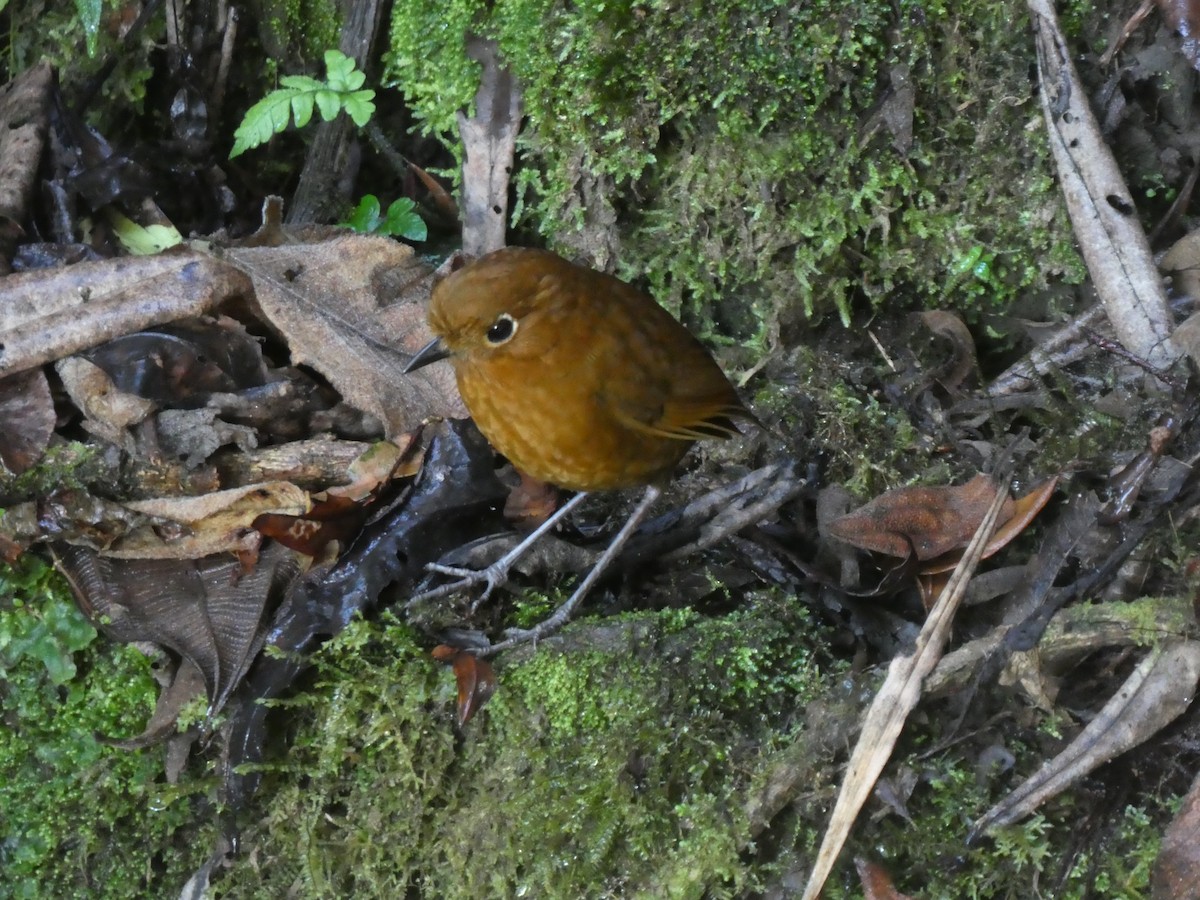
24, 106
27, 411
530, 503
381, 462
353, 308
209, 611
1023, 512
927, 521
964, 363
107, 411
186, 684
332, 521
442, 199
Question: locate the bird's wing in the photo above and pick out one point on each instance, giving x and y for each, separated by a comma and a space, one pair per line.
701, 405
686, 420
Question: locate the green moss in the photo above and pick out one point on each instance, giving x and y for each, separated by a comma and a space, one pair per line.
298, 30
69, 466
927, 855
588, 773
733, 146
78, 818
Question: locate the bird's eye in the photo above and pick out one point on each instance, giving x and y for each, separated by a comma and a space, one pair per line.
502, 330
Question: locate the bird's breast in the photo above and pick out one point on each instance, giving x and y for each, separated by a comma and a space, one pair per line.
560, 428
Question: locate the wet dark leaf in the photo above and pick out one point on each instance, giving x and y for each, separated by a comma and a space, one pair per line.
182, 363
443, 504
1184, 18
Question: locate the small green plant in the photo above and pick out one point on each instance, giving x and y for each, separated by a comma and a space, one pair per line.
49, 632
402, 219
341, 90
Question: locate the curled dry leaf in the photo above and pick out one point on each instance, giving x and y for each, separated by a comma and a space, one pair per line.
186, 684
382, 461
107, 411
475, 678
922, 521
950, 326
211, 523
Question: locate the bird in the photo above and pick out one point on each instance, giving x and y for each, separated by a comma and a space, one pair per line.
581, 381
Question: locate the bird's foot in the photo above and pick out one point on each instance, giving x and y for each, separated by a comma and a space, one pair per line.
493, 576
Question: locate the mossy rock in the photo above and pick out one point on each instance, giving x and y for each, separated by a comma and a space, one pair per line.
734, 156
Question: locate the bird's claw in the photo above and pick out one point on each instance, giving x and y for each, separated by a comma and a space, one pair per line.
493, 575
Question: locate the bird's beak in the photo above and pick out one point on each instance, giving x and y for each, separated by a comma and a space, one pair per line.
430, 353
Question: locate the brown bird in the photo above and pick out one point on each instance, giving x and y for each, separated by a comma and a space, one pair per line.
580, 380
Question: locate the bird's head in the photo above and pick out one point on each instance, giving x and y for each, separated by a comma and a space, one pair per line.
503, 305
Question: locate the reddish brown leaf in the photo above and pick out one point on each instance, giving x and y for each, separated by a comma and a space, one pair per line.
476, 680
876, 881
1024, 511
331, 519
927, 521
442, 199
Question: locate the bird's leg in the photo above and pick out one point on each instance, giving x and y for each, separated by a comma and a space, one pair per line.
561, 615
497, 573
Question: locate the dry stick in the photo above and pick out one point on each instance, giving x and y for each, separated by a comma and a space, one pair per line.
1069, 344
1102, 213
897, 697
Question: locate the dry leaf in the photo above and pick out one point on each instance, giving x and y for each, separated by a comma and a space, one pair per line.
876, 881
927, 521
27, 411
209, 610
211, 523
353, 308
951, 326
